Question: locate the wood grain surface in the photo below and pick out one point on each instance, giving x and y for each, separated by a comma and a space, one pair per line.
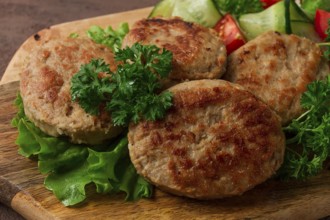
21, 185
22, 189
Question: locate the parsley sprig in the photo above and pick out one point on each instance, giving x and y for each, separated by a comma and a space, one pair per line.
309, 134
129, 94
88, 88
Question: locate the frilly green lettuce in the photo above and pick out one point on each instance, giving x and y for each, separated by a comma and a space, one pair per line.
71, 167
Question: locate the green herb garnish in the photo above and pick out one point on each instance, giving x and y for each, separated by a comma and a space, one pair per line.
309, 134
130, 94
108, 36
88, 88
239, 7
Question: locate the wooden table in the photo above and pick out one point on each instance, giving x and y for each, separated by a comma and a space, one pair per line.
19, 19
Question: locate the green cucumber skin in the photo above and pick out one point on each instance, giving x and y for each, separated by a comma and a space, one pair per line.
287, 14
301, 24
301, 12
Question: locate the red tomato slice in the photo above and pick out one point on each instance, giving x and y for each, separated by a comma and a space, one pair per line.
230, 33
267, 3
321, 22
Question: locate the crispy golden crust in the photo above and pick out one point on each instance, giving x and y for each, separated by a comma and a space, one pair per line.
198, 52
276, 68
217, 140
45, 89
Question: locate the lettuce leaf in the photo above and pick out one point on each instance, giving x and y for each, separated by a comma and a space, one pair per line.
108, 36
310, 6
71, 167
69, 186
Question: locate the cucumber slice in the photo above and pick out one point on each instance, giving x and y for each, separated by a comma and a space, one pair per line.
301, 28
203, 12
284, 17
301, 24
163, 8
273, 18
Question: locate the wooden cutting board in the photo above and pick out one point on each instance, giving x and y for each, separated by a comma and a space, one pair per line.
21, 185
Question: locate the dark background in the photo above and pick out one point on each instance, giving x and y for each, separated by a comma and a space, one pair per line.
19, 19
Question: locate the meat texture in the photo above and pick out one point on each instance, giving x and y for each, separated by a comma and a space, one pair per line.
198, 52
45, 90
217, 140
276, 68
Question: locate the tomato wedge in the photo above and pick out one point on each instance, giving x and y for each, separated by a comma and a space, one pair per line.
230, 33
321, 22
267, 3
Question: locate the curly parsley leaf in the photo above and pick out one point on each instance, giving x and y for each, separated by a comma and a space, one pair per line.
130, 94
109, 37
309, 134
137, 81
239, 7
148, 57
88, 88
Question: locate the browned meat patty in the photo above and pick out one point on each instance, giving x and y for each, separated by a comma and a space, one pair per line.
198, 52
277, 68
324, 70
217, 140
45, 89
